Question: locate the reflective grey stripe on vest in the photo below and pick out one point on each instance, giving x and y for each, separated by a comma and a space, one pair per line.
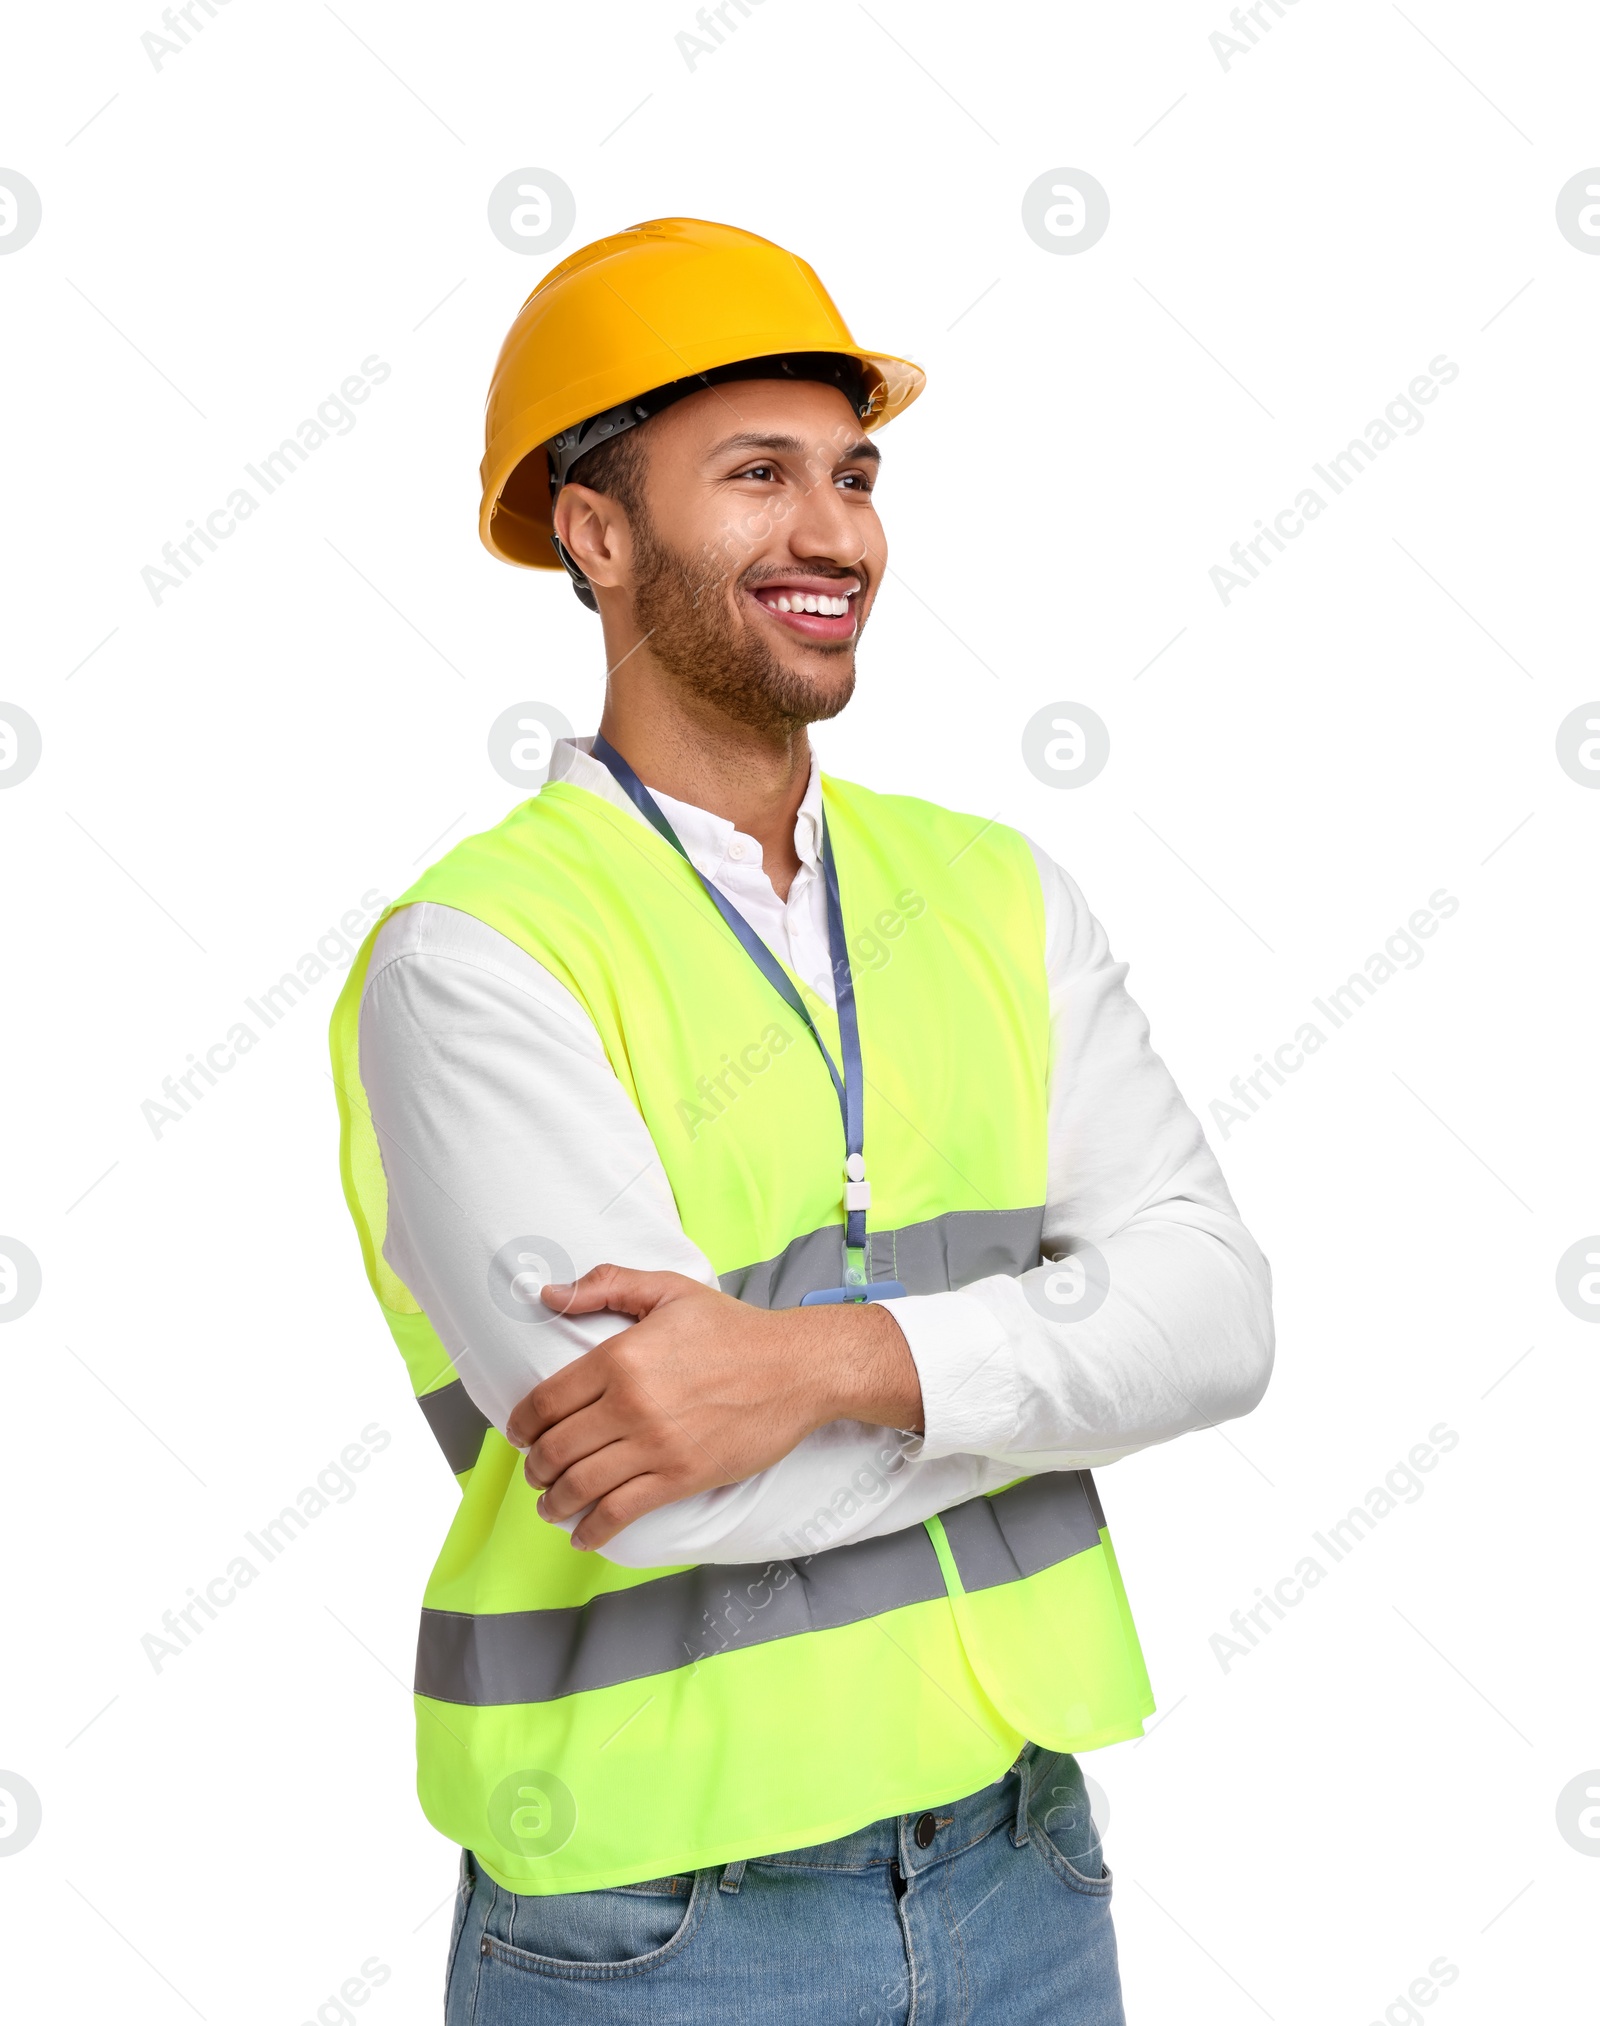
458, 1424
674, 1621
1017, 1533
928, 1258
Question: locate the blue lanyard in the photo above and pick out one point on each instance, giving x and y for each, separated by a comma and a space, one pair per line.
848, 1088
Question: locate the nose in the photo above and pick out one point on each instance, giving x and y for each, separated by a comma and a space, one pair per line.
827, 526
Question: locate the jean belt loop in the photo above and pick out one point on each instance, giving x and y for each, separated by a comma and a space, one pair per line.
732, 1875
1019, 1829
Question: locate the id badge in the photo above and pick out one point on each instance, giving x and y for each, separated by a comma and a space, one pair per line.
872, 1290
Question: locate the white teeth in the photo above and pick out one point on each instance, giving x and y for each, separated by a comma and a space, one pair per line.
811, 601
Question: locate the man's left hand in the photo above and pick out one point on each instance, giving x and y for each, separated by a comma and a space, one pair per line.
704, 1390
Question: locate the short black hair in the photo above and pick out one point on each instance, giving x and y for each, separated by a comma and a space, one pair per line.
616, 468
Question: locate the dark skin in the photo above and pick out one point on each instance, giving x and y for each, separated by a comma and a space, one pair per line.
758, 490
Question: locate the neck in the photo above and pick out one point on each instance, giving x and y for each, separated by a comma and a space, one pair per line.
755, 778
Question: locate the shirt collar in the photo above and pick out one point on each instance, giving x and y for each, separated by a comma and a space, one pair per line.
705, 836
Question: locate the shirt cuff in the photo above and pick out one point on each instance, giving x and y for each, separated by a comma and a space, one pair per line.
960, 1347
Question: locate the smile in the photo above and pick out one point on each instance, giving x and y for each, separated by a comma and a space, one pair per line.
816, 608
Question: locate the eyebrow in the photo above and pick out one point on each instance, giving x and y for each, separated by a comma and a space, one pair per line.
793, 446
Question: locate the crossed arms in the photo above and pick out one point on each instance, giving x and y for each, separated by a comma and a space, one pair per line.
690, 1427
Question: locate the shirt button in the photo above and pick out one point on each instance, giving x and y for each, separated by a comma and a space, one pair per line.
736, 850
925, 1831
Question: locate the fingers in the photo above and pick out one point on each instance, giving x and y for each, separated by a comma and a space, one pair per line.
622, 1288
564, 1393
591, 1478
560, 1448
619, 1508
577, 1385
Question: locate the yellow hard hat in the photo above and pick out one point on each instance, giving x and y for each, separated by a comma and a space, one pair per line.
644, 310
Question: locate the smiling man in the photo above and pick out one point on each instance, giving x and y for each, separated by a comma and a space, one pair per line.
780, 1209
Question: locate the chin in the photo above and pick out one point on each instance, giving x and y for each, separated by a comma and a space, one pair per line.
824, 668
827, 699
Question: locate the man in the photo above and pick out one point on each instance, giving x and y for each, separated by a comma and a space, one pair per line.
783, 1171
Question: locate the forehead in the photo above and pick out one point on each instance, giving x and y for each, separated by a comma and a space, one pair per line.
807, 409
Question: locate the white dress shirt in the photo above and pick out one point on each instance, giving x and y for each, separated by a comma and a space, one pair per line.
499, 1116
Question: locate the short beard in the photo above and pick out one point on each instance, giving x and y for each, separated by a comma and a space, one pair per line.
704, 647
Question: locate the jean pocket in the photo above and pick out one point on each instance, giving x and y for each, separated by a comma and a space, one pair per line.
620, 1931
1063, 1830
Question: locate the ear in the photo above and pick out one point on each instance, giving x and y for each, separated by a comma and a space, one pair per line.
594, 531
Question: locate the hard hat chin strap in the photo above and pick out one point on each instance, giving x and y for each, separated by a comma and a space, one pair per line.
580, 582
834, 369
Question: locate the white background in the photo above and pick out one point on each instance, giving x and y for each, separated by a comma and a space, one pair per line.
1293, 238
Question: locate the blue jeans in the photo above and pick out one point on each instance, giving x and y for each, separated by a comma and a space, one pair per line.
992, 1911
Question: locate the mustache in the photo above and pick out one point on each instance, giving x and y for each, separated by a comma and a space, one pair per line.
760, 574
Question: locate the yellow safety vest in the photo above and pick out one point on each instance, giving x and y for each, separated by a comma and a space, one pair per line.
581, 1724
